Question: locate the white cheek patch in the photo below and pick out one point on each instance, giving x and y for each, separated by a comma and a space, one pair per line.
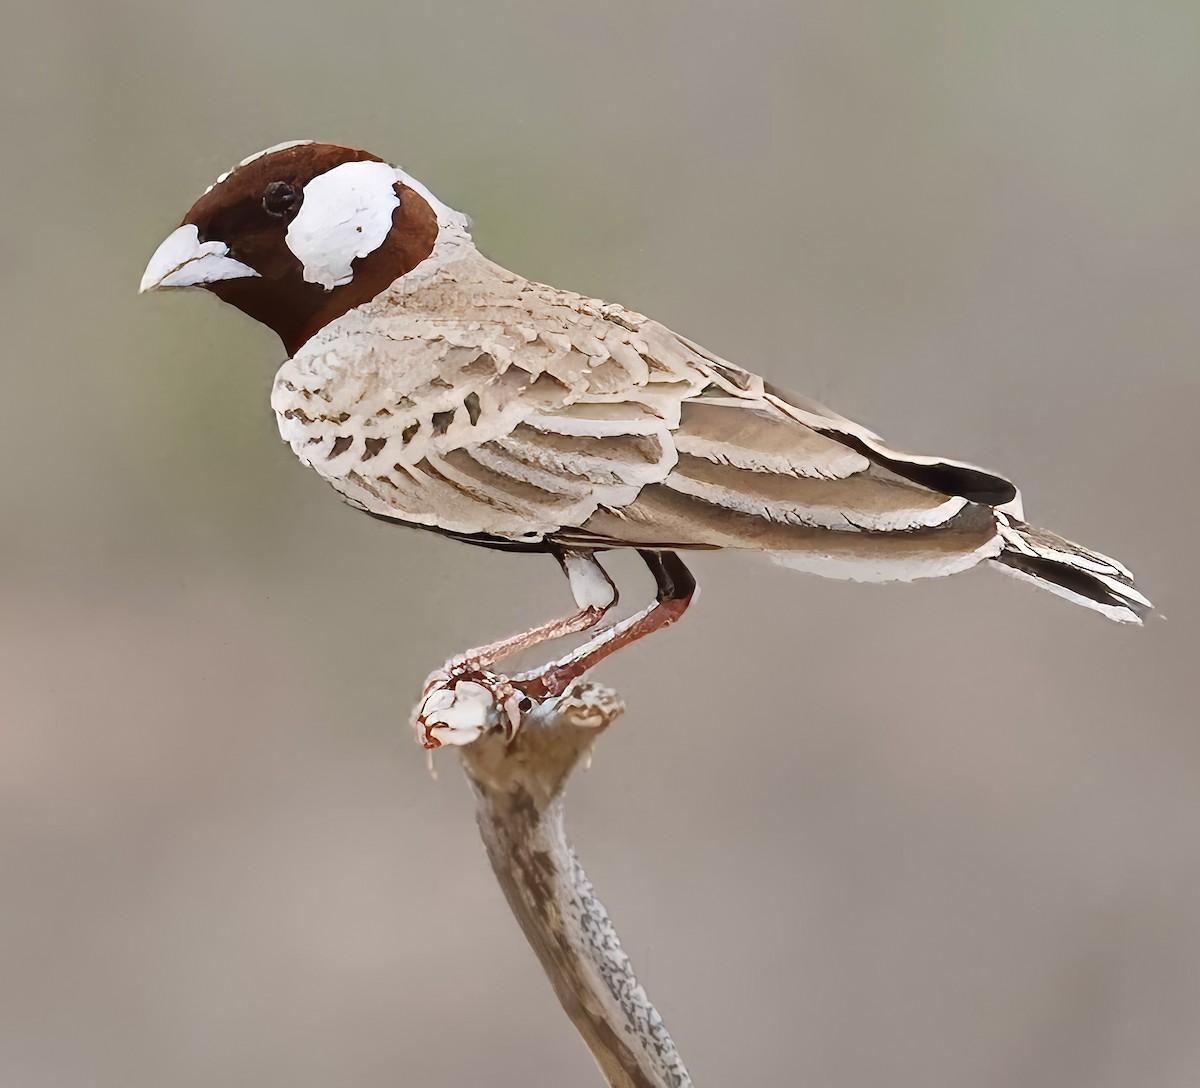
346, 214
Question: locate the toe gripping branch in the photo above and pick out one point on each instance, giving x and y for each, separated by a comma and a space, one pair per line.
465, 699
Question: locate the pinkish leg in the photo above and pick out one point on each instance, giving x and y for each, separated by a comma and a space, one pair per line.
594, 593
483, 657
455, 705
676, 589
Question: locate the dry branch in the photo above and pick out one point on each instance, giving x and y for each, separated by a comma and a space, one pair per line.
518, 770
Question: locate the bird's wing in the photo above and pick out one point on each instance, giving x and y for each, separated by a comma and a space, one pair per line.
763, 470
514, 426
565, 419
751, 476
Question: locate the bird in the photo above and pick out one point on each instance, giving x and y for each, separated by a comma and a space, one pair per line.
433, 387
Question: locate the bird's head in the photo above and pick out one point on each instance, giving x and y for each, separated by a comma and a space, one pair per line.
301, 233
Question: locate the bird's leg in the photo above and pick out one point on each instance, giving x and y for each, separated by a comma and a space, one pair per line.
459, 697
676, 588
594, 593
459, 705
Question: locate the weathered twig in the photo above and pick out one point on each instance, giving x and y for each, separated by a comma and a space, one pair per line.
518, 760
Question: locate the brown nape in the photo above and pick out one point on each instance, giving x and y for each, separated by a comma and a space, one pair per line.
232, 212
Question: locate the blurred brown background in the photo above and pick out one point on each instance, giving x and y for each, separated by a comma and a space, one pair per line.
942, 834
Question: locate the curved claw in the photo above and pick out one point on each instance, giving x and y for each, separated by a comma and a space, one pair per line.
458, 709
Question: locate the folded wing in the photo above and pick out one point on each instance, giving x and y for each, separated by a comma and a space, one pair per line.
574, 423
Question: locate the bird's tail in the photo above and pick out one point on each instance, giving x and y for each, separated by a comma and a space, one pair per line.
1078, 574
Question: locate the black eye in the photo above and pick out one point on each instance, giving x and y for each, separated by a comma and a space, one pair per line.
280, 198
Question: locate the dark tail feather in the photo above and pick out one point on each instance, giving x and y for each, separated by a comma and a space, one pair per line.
1068, 570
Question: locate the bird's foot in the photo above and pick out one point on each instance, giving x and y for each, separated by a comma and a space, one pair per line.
459, 704
458, 708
